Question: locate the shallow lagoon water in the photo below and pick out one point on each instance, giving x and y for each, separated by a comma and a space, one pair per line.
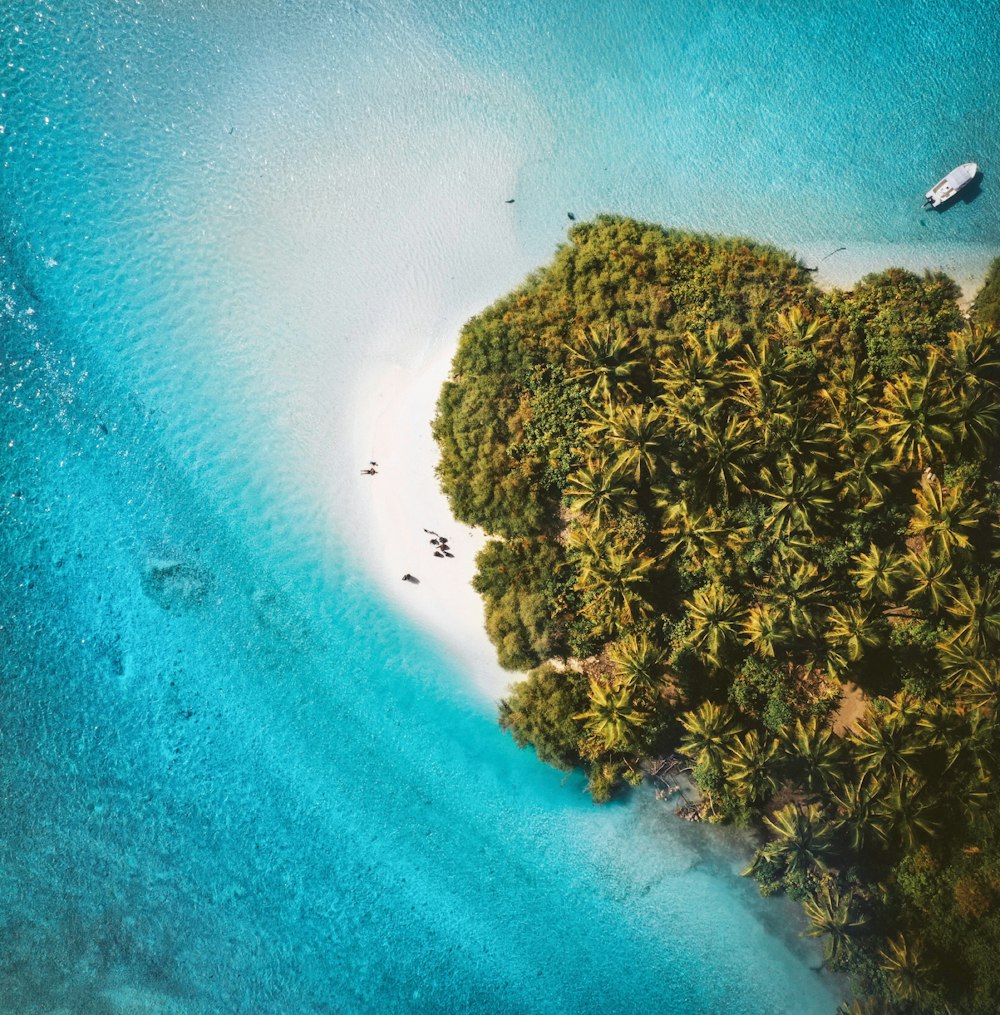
233, 780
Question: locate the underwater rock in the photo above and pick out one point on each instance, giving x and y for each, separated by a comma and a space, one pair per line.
277, 614
174, 584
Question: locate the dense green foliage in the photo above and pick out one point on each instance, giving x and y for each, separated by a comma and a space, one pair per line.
541, 711
733, 492
986, 310
895, 314
519, 581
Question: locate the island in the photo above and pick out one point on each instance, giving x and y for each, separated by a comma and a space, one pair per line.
753, 525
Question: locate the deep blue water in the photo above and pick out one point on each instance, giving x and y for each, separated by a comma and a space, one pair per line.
232, 779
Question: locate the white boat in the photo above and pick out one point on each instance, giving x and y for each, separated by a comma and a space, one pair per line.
946, 189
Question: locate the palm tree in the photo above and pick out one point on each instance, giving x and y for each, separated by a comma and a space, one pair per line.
766, 631
697, 532
973, 355
848, 395
800, 496
883, 747
850, 632
802, 843
979, 420
816, 755
766, 391
959, 661
607, 359
857, 820
613, 717
636, 434
976, 606
615, 579
638, 661
829, 912
903, 708
907, 812
918, 415
586, 543
750, 767
977, 684
796, 592
863, 482
974, 359
978, 812
877, 573
799, 330
974, 753
716, 615
709, 730
907, 969
944, 519
696, 374
806, 441
598, 490
723, 460
943, 730
929, 576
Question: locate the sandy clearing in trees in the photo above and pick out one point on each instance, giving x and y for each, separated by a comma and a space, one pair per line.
853, 702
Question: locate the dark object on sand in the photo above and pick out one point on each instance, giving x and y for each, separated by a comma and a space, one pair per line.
374, 463
832, 252
442, 539
409, 578
435, 542
570, 216
368, 472
443, 546
509, 200
438, 553
447, 554
813, 269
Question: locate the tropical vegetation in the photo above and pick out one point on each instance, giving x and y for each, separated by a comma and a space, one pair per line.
719, 494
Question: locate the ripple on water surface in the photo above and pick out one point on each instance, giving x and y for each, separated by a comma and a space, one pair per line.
234, 781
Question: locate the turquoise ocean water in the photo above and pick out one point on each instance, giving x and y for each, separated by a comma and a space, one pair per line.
232, 779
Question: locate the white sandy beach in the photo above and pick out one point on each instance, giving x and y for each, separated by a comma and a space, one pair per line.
393, 427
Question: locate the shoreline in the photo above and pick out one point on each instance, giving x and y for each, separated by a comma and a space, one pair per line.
392, 406
843, 267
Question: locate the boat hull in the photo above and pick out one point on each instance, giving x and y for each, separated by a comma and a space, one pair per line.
945, 189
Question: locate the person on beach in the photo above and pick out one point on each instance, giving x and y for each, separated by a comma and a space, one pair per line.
408, 577
368, 472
